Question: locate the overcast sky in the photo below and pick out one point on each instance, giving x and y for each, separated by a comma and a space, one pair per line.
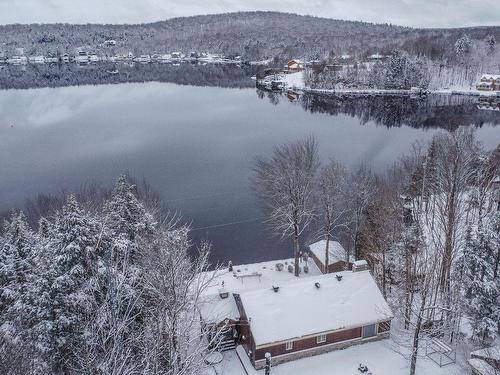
419, 13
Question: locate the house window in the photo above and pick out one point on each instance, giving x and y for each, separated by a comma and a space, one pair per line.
320, 339
289, 345
369, 331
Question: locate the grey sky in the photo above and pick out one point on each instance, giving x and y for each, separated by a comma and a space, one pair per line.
423, 13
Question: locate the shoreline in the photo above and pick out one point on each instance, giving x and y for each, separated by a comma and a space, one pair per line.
296, 82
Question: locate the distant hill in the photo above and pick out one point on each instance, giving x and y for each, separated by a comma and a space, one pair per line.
254, 35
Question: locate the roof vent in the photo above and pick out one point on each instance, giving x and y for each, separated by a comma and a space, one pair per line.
276, 288
339, 277
317, 285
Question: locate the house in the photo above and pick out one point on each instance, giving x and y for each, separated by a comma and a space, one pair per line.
485, 361
310, 316
65, 58
337, 256
218, 311
489, 82
295, 66
110, 42
376, 57
176, 55
36, 59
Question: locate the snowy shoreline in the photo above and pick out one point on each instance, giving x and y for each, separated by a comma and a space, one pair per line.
295, 82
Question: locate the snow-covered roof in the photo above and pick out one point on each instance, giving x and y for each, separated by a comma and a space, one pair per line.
253, 276
360, 263
336, 252
376, 56
301, 309
244, 277
491, 76
215, 309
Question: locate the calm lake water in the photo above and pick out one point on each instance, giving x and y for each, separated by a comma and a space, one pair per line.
196, 145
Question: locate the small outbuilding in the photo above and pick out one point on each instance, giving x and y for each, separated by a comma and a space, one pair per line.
337, 256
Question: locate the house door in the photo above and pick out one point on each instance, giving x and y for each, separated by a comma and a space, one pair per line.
369, 331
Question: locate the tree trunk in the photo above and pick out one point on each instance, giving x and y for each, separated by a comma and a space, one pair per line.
448, 244
296, 249
384, 281
327, 251
416, 338
416, 335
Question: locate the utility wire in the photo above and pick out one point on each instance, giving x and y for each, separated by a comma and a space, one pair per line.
225, 224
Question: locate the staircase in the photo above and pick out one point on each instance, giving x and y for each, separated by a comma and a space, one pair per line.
227, 344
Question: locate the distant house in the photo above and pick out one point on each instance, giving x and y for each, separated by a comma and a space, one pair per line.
489, 82
376, 57
295, 66
110, 42
485, 361
312, 315
337, 256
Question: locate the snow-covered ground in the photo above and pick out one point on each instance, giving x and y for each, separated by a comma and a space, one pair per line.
381, 358
296, 81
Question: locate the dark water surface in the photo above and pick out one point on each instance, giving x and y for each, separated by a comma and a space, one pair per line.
196, 145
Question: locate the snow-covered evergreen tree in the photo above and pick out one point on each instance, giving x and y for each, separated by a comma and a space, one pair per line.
125, 213
16, 264
463, 46
66, 287
482, 282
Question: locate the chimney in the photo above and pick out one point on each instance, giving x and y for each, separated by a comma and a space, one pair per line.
360, 265
223, 293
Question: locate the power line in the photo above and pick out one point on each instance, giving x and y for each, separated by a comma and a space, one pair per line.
225, 224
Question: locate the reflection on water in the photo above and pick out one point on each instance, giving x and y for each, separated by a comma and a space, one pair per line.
432, 111
56, 75
196, 145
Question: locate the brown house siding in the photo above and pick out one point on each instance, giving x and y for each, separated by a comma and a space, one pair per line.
308, 347
307, 343
332, 267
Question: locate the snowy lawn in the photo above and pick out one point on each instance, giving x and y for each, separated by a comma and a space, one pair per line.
381, 358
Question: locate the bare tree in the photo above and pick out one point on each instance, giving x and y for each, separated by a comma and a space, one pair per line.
175, 342
332, 184
284, 183
454, 171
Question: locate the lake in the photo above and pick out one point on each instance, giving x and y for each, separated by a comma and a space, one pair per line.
196, 144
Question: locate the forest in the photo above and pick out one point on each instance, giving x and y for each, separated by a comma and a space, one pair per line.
252, 35
103, 281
